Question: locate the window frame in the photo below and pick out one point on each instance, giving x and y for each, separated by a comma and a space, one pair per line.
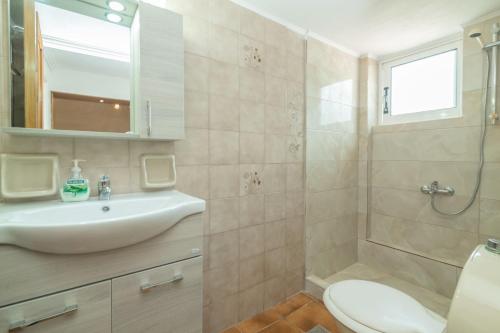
415, 55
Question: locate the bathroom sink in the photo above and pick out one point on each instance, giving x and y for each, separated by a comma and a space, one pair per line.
92, 226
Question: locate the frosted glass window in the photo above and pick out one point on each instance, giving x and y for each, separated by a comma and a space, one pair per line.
426, 84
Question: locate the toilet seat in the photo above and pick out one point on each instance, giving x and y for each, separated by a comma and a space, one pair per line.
370, 307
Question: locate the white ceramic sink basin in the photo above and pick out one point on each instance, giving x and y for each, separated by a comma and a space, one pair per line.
91, 226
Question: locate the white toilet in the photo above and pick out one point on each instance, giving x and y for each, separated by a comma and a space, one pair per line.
370, 307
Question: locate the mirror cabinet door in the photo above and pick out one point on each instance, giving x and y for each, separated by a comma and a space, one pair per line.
160, 68
84, 66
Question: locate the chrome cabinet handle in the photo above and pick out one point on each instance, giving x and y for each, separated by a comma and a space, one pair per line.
26, 323
148, 286
148, 115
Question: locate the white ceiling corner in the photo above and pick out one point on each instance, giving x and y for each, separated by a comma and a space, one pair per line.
373, 28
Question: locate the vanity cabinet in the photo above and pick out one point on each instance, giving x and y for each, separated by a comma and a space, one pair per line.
82, 310
164, 299
158, 65
152, 286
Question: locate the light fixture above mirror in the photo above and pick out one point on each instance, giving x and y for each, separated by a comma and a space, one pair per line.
117, 6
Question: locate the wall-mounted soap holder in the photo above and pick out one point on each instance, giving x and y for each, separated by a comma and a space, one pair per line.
28, 175
157, 171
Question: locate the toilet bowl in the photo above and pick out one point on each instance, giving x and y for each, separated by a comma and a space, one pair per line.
370, 307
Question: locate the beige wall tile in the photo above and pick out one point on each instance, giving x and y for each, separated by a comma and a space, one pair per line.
276, 35
195, 35
221, 314
274, 178
251, 210
138, 148
224, 147
427, 273
275, 148
224, 113
294, 177
252, 117
252, 53
295, 44
252, 24
221, 282
113, 154
251, 301
275, 262
251, 148
196, 71
193, 149
224, 181
224, 214
295, 70
252, 240
251, 179
295, 204
276, 90
274, 291
252, 85
490, 218
295, 230
275, 207
223, 249
276, 61
436, 242
295, 256
251, 271
276, 120
196, 109
275, 235
225, 13
223, 44
295, 281
193, 180
223, 79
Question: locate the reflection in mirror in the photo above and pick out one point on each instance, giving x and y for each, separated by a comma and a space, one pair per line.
71, 66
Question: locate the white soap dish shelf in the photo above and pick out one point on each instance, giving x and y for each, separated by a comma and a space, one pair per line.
25, 176
157, 171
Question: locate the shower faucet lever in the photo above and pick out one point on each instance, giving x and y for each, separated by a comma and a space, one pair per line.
434, 188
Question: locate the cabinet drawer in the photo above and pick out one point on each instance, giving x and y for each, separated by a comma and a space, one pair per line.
85, 310
166, 299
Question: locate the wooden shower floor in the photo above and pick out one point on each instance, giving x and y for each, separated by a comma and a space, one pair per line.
300, 313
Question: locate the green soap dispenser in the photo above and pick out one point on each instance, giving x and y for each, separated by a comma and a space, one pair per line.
76, 188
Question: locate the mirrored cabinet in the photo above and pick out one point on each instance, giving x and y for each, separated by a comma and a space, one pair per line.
86, 68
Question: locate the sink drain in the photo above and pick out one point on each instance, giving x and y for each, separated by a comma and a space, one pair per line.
105, 208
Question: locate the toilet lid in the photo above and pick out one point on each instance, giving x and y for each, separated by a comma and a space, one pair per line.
383, 308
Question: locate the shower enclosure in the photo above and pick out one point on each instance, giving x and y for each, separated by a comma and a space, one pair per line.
364, 203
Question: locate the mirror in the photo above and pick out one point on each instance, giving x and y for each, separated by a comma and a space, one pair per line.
71, 65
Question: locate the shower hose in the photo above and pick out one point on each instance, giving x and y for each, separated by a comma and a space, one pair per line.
482, 140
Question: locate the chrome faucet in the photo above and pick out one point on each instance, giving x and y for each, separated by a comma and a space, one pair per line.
434, 188
104, 188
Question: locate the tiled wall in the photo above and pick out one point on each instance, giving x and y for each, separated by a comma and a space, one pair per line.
244, 80
408, 156
332, 159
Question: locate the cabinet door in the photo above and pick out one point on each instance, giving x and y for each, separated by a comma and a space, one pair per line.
83, 310
159, 46
166, 299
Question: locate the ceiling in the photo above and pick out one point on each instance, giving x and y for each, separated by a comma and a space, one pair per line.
376, 27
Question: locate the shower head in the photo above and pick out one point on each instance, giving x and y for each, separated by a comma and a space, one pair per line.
477, 36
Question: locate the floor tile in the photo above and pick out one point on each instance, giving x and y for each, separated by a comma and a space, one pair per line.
232, 330
310, 315
281, 327
258, 322
292, 304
